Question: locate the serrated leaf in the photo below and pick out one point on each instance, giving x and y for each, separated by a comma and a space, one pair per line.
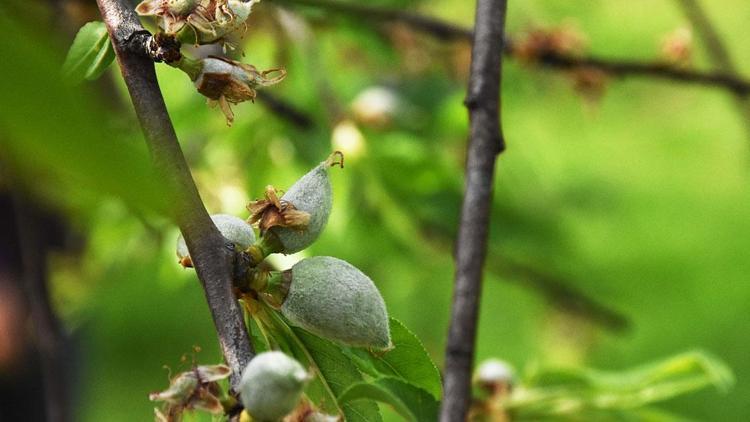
576, 391
89, 55
408, 360
333, 370
413, 403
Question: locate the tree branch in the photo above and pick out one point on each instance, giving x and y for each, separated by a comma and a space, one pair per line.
285, 110
717, 51
562, 295
434, 27
212, 255
485, 143
49, 334
617, 67
626, 68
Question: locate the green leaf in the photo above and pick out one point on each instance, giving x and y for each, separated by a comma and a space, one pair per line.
413, 403
90, 54
258, 336
577, 391
334, 372
408, 360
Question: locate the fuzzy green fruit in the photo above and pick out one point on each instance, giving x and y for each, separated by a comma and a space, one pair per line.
272, 385
333, 299
313, 195
233, 228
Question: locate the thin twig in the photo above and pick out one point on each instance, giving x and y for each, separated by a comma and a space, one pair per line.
617, 67
717, 51
485, 143
626, 68
285, 110
561, 294
710, 36
435, 27
212, 255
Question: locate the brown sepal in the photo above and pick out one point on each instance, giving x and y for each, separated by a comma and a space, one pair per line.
272, 212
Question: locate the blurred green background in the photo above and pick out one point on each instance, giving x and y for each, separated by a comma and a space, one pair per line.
637, 199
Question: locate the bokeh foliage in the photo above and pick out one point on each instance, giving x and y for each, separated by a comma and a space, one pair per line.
639, 199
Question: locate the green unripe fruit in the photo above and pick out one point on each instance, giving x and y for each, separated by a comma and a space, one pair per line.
311, 194
272, 385
333, 299
233, 228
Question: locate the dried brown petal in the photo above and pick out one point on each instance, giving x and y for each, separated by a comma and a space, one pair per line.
226, 82
273, 212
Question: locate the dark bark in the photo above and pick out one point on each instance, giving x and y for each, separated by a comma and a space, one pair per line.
212, 255
485, 143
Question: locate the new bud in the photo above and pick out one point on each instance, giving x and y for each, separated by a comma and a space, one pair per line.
494, 375
333, 299
272, 385
233, 228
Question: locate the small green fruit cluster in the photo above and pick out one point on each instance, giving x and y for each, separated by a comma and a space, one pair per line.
324, 295
272, 385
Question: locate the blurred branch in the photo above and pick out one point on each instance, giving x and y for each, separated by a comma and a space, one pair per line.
485, 143
714, 45
562, 295
435, 27
212, 255
625, 68
48, 333
617, 67
716, 50
285, 110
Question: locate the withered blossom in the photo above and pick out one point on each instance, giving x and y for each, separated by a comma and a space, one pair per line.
272, 211
209, 20
226, 82
194, 389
